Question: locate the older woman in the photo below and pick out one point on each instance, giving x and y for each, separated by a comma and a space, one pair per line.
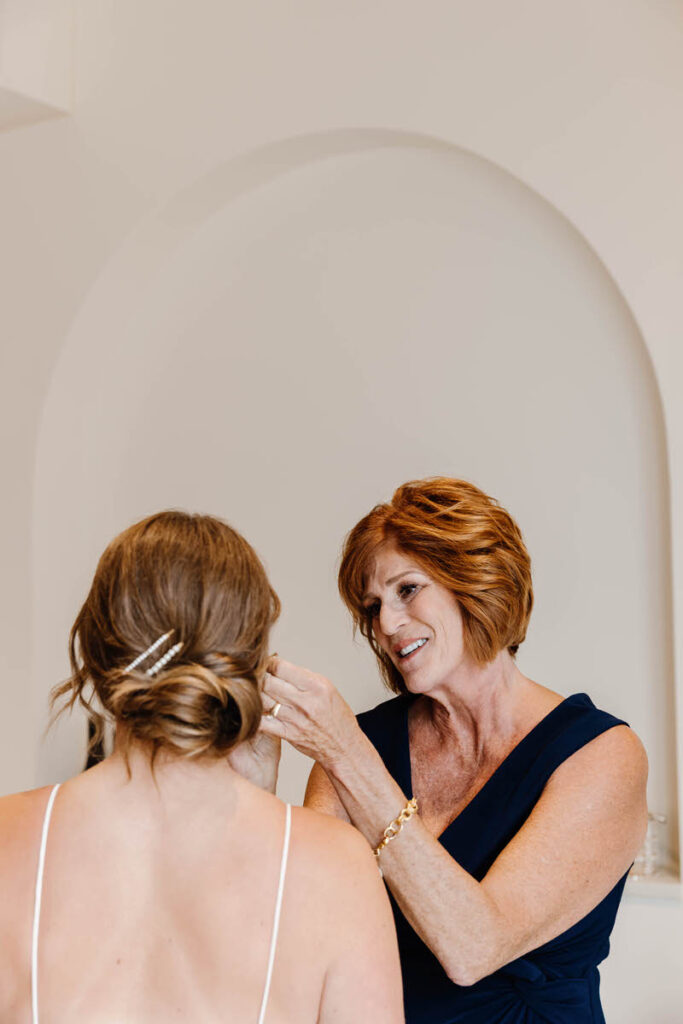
530, 806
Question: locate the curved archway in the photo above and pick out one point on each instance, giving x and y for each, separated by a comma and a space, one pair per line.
411, 268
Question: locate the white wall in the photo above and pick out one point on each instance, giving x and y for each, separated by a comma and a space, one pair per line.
36, 53
281, 259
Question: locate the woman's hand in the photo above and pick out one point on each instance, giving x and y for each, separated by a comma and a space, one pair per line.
257, 760
312, 716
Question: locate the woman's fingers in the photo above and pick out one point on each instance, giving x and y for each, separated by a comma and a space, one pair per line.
267, 701
288, 672
277, 689
273, 710
311, 712
273, 726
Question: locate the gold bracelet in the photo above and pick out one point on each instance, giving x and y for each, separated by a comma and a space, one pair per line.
395, 826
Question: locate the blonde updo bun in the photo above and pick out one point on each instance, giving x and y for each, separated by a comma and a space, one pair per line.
195, 575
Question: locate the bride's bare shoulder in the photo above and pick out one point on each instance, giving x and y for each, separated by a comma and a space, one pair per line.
342, 902
326, 846
21, 818
317, 827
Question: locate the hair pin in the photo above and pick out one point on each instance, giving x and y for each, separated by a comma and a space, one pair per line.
148, 651
164, 659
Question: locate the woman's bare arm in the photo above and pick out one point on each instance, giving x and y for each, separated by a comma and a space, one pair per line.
579, 840
322, 796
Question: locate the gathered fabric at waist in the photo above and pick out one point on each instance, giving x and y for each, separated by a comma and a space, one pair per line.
520, 993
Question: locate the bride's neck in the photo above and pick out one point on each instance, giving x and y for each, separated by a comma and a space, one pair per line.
132, 763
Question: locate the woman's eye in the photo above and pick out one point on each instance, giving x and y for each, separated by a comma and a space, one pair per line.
372, 610
407, 589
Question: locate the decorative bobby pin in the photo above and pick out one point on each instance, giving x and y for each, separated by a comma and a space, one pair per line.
163, 660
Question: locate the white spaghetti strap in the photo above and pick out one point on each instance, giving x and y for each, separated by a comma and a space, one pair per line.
276, 920
36, 905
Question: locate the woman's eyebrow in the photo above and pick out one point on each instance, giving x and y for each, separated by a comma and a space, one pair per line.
406, 572
387, 583
392, 579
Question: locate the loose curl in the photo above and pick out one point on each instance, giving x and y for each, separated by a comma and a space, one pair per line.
193, 574
464, 540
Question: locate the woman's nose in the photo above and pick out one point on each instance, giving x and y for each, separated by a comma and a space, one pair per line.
390, 619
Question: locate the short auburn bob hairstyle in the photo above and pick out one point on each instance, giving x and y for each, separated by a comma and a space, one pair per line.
465, 541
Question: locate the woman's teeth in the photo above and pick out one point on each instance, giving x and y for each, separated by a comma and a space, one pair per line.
405, 651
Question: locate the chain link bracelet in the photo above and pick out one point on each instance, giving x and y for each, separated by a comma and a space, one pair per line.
394, 827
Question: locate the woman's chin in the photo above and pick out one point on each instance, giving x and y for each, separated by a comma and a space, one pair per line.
417, 682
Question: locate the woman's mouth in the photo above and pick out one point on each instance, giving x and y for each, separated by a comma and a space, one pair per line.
411, 649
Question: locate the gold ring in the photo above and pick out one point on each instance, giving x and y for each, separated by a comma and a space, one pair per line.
275, 710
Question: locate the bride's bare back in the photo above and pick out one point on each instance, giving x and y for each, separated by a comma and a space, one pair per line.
158, 905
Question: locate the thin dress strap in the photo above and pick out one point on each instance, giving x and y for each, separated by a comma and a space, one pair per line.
276, 920
36, 905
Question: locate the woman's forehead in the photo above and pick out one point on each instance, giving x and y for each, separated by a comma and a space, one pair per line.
388, 563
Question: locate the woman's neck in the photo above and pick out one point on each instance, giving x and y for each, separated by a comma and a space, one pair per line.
168, 777
479, 702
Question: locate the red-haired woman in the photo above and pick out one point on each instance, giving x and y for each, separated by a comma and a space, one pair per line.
505, 816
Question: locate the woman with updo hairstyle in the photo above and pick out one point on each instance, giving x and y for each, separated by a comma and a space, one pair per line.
168, 882
504, 817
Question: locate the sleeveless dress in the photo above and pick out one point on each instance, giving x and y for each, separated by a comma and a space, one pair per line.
39, 895
558, 983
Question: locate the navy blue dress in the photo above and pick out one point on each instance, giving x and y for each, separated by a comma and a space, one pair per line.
558, 983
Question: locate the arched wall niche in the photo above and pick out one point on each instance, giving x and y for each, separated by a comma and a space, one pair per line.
302, 329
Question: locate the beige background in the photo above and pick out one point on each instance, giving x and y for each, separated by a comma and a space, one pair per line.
279, 258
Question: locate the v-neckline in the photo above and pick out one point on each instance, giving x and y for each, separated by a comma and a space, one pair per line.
518, 747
